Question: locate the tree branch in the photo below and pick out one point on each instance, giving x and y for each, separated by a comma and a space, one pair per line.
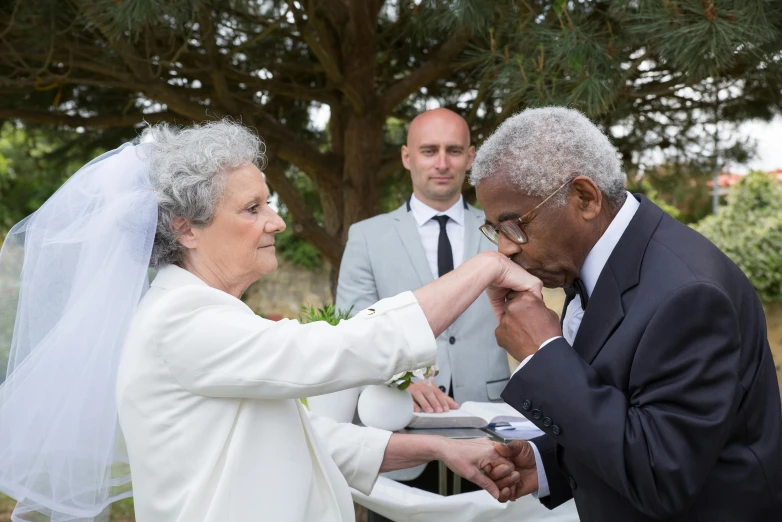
440, 62
104, 122
155, 88
304, 225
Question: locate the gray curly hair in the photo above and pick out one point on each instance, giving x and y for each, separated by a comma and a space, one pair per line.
540, 149
187, 171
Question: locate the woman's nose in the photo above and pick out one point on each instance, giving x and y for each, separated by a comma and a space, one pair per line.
276, 224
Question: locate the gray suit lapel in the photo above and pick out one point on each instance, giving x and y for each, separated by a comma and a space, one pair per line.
473, 218
407, 229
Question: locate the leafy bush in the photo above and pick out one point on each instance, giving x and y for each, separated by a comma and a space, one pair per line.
326, 313
749, 231
296, 250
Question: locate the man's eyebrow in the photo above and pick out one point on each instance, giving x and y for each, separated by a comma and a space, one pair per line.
507, 216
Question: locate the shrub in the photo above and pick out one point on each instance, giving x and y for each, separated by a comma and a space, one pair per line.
749, 231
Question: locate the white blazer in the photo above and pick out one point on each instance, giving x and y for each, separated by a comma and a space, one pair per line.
208, 399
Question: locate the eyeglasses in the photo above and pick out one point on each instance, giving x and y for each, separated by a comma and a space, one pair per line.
514, 229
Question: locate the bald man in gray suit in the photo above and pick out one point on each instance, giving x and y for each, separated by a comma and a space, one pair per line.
409, 247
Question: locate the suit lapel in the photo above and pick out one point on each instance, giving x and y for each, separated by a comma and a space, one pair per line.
622, 272
407, 229
603, 314
473, 218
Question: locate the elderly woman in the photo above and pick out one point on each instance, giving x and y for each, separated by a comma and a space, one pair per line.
207, 392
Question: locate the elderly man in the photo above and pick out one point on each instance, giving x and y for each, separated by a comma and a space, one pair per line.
657, 393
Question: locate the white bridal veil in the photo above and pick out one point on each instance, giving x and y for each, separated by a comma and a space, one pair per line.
71, 276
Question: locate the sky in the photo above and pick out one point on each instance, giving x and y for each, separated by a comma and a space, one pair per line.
769, 146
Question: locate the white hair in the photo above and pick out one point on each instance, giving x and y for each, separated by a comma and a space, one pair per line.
187, 171
540, 149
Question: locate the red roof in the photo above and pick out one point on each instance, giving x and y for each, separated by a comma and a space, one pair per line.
728, 179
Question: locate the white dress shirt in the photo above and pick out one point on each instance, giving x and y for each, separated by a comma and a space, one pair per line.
208, 400
429, 229
589, 274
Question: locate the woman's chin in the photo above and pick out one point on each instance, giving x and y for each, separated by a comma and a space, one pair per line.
268, 264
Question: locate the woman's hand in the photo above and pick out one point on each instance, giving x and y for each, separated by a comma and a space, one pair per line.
472, 459
509, 280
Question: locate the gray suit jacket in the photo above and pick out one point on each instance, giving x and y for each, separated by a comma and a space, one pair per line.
384, 257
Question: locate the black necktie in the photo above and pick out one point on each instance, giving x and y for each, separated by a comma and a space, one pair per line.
570, 293
444, 252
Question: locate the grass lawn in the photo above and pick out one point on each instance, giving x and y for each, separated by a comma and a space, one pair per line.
121, 511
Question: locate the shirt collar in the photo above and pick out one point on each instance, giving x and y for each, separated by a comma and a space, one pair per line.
423, 212
600, 253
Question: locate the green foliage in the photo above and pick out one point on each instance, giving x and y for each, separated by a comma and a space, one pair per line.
326, 313
296, 250
647, 189
749, 231
34, 162
680, 189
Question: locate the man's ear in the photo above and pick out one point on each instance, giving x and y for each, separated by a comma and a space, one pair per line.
187, 238
589, 198
470, 156
405, 157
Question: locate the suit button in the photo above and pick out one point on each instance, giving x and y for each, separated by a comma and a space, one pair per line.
452, 340
572, 482
442, 388
526, 405
536, 414
546, 422
555, 429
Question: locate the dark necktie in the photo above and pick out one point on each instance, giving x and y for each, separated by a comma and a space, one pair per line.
444, 252
577, 288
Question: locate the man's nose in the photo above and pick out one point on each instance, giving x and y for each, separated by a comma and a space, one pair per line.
507, 247
442, 161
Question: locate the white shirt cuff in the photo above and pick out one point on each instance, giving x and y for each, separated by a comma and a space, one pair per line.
543, 489
527, 358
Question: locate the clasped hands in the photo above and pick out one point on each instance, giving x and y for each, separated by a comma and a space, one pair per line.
507, 472
525, 322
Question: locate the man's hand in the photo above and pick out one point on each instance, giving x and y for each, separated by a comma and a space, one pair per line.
469, 459
430, 399
520, 453
525, 324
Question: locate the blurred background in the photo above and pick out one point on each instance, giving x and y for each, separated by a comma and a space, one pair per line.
689, 91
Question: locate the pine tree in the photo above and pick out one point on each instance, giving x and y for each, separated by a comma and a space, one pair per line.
653, 73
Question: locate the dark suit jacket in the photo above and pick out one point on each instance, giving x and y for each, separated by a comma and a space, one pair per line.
667, 406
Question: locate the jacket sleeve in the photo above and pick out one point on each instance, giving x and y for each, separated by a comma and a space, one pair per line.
214, 345
356, 286
559, 489
655, 443
358, 451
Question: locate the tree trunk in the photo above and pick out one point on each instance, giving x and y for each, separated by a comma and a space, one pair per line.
363, 145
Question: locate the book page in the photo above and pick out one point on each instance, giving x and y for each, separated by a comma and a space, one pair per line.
450, 419
492, 411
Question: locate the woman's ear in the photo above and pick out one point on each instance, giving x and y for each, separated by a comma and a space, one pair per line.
590, 199
182, 228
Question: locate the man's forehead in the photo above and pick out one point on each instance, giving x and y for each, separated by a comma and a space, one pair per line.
438, 128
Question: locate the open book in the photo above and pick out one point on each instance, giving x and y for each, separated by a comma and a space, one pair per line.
469, 415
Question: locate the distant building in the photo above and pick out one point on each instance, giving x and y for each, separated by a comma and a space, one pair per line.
727, 180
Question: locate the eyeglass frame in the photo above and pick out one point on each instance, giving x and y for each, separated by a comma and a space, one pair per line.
523, 221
